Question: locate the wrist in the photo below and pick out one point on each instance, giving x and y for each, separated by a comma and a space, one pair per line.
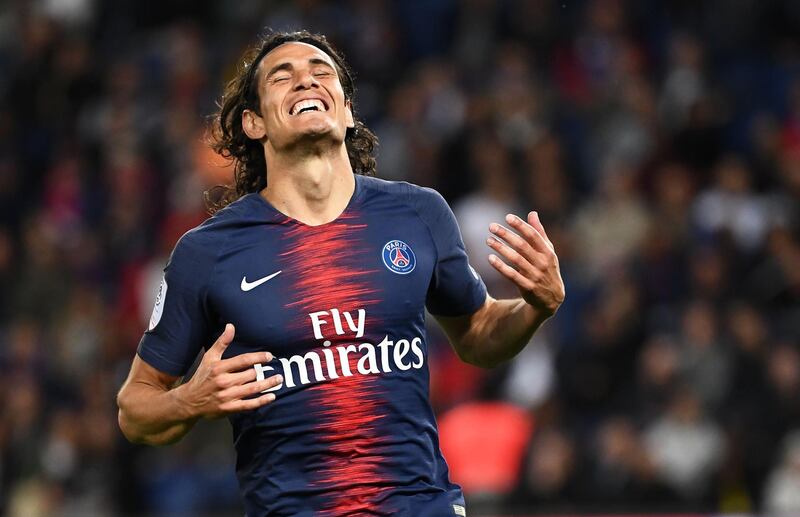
544, 309
186, 411
538, 313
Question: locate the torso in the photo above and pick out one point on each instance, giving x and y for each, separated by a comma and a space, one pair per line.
351, 429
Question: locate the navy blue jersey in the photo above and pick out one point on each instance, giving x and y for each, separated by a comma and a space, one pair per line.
342, 307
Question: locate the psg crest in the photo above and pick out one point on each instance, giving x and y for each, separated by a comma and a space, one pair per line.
398, 257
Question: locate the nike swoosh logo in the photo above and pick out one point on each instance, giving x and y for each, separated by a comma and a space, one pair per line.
246, 286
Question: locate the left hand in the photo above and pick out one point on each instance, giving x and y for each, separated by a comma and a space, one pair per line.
533, 261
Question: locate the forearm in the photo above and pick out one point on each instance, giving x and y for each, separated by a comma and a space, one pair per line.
152, 415
498, 332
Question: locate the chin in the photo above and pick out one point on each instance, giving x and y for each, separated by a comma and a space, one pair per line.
319, 131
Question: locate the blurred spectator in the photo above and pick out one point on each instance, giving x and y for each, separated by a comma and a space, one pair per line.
549, 481
43, 284
531, 377
731, 206
753, 446
687, 448
783, 496
397, 131
658, 376
7, 269
684, 84
495, 198
783, 372
547, 183
709, 274
704, 359
626, 135
623, 470
611, 226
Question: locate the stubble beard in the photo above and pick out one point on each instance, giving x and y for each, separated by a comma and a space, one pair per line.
315, 140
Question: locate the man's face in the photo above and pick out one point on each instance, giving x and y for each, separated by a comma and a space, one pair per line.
300, 97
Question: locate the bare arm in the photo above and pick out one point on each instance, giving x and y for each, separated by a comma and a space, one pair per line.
500, 329
495, 333
154, 410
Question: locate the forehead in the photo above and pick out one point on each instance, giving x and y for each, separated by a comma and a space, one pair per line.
293, 51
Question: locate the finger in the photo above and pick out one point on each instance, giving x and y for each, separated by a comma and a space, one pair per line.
510, 273
223, 341
242, 362
251, 388
250, 404
515, 241
533, 219
511, 256
229, 380
531, 235
236, 406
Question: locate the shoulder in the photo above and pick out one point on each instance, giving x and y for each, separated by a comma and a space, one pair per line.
205, 241
239, 213
422, 199
427, 204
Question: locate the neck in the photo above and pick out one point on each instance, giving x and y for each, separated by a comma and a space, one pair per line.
313, 189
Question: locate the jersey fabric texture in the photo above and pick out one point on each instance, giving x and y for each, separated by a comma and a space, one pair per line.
351, 431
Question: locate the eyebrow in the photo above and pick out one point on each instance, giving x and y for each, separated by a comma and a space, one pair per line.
288, 66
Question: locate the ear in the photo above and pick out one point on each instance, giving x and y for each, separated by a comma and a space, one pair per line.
253, 125
348, 114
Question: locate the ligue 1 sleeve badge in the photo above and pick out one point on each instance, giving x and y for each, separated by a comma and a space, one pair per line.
398, 257
158, 308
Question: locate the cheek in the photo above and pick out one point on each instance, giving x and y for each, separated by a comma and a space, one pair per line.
347, 113
273, 112
270, 102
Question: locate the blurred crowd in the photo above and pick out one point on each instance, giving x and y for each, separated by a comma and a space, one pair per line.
659, 142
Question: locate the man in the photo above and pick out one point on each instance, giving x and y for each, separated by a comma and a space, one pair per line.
315, 280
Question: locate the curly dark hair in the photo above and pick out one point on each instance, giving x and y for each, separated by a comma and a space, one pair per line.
229, 140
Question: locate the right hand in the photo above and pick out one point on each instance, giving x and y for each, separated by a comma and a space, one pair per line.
220, 386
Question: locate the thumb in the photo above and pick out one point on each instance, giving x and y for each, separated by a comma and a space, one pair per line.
223, 340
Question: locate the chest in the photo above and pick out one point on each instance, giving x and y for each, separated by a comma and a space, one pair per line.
289, 288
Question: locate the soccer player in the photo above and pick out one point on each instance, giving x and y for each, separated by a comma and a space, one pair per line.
312, 284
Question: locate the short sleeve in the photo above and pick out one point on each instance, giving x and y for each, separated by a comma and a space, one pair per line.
456, 288
180, 325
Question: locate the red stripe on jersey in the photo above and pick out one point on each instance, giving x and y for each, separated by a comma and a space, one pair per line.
346, 409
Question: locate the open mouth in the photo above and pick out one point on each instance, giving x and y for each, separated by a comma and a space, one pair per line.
307, 106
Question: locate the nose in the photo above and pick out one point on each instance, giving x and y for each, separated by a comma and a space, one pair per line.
305, 80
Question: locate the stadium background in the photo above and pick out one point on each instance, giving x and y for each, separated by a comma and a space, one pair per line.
659, 141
